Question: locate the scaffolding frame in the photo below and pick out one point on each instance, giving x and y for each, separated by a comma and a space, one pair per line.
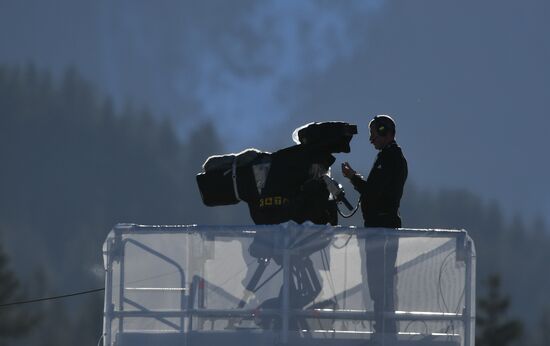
191, 292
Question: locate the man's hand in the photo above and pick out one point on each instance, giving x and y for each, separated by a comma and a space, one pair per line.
347, 171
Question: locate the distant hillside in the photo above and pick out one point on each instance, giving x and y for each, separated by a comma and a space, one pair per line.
72, 167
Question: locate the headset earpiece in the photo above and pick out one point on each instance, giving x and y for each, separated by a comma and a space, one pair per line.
381, 128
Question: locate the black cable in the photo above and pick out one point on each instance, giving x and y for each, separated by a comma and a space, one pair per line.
326, 266
439, 284
440, 289
426, 330
21, 302
342, 246
266, 280
79, 293
346, 216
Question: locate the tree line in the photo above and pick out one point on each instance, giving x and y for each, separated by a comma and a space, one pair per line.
72, 166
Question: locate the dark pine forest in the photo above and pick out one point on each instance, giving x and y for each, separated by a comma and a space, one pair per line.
72, 166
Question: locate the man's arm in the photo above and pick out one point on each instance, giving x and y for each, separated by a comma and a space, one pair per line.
355, 178
383, 182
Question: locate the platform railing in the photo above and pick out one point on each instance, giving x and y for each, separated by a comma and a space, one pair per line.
192, 293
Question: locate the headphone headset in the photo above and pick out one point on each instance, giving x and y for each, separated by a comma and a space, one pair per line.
380, 128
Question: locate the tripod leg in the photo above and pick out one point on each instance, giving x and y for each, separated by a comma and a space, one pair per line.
262, 264
249, 290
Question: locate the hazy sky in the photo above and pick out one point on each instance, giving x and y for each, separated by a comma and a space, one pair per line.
467, 81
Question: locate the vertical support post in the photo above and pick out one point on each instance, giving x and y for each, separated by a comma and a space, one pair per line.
108, 304
468, 317
184, 299
121, 246
113, 252
192, 284
286, 287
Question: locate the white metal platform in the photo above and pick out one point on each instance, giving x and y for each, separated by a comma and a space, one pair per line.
200, 285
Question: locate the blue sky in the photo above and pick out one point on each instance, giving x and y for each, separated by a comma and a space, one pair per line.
468, 82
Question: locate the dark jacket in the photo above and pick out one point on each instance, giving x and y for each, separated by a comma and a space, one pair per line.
381, 192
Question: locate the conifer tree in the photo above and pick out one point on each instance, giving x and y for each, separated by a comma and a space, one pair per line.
16, 321
493, 327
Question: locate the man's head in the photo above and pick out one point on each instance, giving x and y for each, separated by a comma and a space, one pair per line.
382, 131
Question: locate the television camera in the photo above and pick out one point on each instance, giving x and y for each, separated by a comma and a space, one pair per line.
291, 184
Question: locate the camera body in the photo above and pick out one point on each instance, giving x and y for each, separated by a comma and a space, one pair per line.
287, 185
281, 186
